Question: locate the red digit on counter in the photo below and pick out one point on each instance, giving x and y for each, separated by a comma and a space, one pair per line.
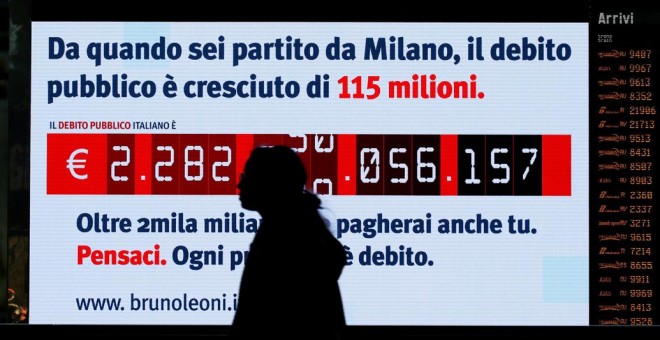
323, 172
193, 160
121, 164
222, 164
167, 173
301, 145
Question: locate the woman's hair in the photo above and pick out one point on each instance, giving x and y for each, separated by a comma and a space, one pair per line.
311, 200
277, 167
283, 169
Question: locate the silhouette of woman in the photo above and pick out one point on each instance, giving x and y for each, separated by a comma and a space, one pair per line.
289, 285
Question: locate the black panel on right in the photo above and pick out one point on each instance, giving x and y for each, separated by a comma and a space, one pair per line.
527, 169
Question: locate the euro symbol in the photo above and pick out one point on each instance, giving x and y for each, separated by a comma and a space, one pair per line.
73, 163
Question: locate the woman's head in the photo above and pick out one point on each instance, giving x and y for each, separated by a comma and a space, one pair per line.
271, 175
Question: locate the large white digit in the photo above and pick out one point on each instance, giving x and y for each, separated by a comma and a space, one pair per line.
216, 165
303, 148
318, 140
115, 164
318, 181
164, 163
533, 151
421, 165
507, 170
472, 179
403, 166
364, 170
188, 163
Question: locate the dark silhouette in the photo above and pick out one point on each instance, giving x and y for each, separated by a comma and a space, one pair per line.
289, 285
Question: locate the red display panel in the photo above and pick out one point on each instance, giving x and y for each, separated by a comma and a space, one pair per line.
143, 169
448, 165
77, 164
344, 164
556, 163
